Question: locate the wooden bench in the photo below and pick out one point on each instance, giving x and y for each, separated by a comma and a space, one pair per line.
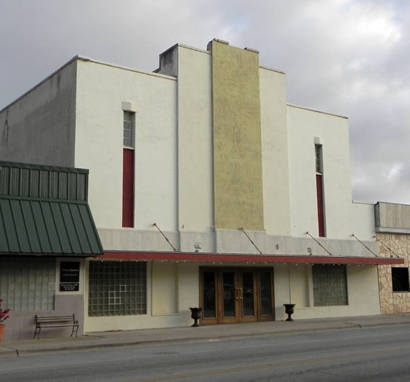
55, 322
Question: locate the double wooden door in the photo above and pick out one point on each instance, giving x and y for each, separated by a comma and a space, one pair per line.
236, 295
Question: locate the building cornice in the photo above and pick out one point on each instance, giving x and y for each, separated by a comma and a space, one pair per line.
317, 111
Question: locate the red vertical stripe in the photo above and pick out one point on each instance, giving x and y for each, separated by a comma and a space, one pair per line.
320, 209
128, 188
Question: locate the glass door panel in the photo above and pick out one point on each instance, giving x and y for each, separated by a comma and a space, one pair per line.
236, 294
248, 294
209, 304
266, 292
228, 286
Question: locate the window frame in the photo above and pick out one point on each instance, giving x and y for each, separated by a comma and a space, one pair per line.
82, 277
131, 122
393, 278
41, 297
115, 288
346, 286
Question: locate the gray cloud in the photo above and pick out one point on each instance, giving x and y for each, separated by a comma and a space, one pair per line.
350, 57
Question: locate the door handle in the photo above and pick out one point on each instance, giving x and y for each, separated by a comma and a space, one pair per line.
238, 294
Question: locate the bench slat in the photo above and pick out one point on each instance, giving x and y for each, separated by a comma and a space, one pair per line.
53, 319
57, 325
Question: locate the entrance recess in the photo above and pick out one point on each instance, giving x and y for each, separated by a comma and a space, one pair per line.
236, 294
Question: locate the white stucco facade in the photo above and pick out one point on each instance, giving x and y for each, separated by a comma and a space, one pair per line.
101, 92
174, 175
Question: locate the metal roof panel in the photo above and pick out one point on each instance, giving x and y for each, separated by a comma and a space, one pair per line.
47, 227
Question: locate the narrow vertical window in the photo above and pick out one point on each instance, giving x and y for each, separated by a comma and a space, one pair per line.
128, 170
319, 190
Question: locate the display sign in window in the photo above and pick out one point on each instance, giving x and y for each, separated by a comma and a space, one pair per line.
69, 276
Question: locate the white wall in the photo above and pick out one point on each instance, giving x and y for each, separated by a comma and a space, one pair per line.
276, 208
362, 221
101, 90
303, 126
362, 289
174, 168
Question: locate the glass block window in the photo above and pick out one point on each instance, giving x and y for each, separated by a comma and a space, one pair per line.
329, 285
28, 284
400, 279
129, 123
117, 288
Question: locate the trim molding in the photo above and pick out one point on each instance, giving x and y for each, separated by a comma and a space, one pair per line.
244, 258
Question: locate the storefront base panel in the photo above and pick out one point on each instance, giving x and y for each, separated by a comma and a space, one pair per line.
21, 325
173, 288
295, 284
100, 324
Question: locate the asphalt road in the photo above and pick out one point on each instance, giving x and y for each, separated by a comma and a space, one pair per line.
368, 354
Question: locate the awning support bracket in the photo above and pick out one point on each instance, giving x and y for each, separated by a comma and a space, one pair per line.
364, 245
252, 242
319, 243
165, 237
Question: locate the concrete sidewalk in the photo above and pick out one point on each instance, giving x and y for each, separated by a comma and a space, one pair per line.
187, 334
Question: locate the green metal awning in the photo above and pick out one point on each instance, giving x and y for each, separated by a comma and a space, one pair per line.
44, 210
47, 227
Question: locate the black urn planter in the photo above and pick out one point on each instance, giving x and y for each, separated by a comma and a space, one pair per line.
289, 311
195, 315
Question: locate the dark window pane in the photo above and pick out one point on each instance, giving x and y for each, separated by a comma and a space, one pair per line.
318, 153
400, 279
248, 292
266, 293
229, 294
209, 294
69, 276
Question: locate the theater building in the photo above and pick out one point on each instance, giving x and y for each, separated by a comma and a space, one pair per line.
207, 189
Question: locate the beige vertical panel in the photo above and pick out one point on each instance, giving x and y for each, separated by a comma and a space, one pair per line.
164, 289
194, 140
275, 155
237, 138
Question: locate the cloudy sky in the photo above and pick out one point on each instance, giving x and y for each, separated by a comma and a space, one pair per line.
349, 57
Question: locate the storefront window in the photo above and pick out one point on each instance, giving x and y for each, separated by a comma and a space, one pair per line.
117, 288
329, 285
27, 284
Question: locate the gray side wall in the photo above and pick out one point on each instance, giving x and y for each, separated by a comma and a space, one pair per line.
39, 127
168, 62
391, 217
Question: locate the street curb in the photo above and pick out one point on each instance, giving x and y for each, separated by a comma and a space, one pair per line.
20, 352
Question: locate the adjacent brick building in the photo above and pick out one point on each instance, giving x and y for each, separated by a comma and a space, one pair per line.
393, 237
